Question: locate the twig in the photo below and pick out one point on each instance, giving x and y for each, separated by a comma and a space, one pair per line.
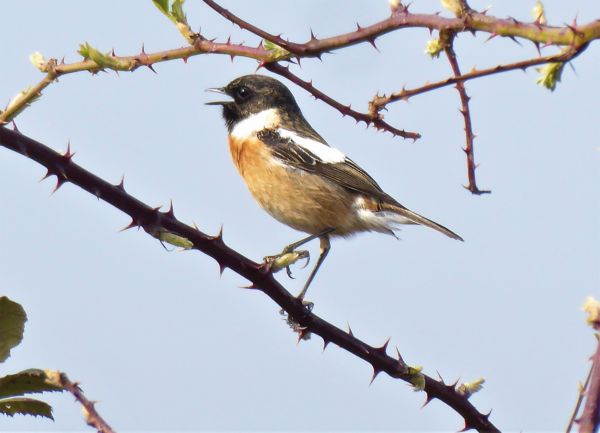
569, 35
131, 63
582, 390
92, 417
289, 46
590, 417
153, 220
464, 100
378, 103
376, 120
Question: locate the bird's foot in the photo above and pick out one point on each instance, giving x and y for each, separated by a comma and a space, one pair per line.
285, 259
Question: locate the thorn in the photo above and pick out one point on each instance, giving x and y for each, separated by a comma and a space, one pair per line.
59, 182
251, 287
383, 349
358, 27
231, 57
312, 36
195, 226
68, 155
467, 427
222, 267
121, 184
491, 36
228, 41
219, 237
143, 52
151, 68
350, 331
112, 52
325, 344
132, 224
185, 59
170, 212
400, 360
46, 176
376, 372
372, 42
537, 47
428, 399
62, 61
14, 125
515, 40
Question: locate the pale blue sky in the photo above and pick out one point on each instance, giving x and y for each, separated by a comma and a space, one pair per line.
163, 343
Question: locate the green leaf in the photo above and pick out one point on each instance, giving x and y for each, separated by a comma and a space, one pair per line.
162, 5
25, 406
12, 325
177, 11
26, 382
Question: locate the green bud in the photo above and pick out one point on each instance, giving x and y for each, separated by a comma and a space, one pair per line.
469, 388
434, 47
592, 308
415, 377
454, 6
38, 60
550, 75
173, 239
539, 15
276, 51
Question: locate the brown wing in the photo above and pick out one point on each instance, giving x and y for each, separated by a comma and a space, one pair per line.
346, 174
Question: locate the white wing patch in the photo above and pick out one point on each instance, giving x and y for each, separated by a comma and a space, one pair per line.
266, 119
326, 154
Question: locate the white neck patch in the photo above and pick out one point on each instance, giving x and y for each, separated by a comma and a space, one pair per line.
266, 119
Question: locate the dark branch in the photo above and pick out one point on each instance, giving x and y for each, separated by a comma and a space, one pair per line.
464, 100
370, 119
153, 221
379, 103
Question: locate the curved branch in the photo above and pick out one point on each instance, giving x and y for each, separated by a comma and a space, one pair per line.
153, 221
472, 21
370, 119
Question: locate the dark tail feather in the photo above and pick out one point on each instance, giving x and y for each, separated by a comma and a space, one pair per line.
418, 219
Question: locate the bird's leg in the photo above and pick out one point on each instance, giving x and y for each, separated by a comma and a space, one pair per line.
292, 247
325, 246
303, 254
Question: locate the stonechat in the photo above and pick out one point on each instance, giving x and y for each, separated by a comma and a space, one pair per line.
297, 177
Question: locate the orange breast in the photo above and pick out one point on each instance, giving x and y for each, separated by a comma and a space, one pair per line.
302, 200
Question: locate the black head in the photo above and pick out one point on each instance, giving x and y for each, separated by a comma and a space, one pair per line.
252, 94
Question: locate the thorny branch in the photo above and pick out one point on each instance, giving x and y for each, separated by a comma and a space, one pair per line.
575, 37
590, 417
92, 417
465, 111
154, 221
376, 120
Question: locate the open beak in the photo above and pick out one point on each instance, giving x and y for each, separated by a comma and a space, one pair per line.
220, 90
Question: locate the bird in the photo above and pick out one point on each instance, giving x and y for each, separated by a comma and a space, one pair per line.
297, 177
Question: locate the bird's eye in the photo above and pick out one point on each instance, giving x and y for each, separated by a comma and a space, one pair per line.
242, 93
